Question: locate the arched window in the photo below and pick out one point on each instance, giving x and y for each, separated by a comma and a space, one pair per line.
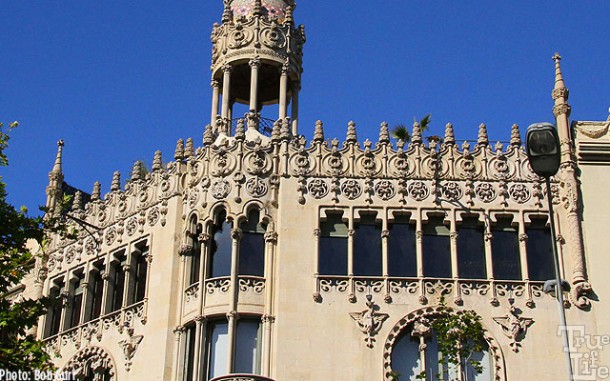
221, 247
415, 353
252, 246
195, 254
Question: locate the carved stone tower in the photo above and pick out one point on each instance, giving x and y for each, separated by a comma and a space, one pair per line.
257, 61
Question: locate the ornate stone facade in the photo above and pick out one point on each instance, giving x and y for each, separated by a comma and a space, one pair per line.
229, 224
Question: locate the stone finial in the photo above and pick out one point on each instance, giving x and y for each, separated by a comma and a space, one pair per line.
351, 132
515, 136
116, 182
258, 8
58, 158
289, 15
285, 129
449, 134
318, 135
179, 153
416, 136
97, 191
77, 203
208, 136
136, 171
559, 83
227, 14
275, 131
157, 164
384, 133
240, 130
483, 139
189, 150
253, 120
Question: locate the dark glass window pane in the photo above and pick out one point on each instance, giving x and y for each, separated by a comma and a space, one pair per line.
406, 358
96, 290
436, 249
367, 247
402, 258
332, 259
195, 259
252, 247
189, 354
539, 251
140, 275
54, 314
471, 250
505, 251
220, 251
247, 349
76, 302
118, 286
218, 344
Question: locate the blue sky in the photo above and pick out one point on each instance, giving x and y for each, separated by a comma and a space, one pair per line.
118, 80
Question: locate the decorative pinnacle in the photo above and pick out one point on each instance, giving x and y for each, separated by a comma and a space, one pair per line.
483, 138
449, 134
559, 84
227, 14
285, 129
275, 131
208, 136
351, 132
97, 191
157, 164
258, 8
179, 153
515, 136
116, 182
58, 158
384, 133
77, 203
240, 130
189, 151
416, 136
136, 171
318, 135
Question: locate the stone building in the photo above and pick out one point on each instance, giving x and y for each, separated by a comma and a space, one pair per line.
196, 270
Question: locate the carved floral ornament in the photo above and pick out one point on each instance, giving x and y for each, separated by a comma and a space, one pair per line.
369, 321
514, 326
92, 359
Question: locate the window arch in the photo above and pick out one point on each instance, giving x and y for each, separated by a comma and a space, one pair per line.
220, 246
411, 347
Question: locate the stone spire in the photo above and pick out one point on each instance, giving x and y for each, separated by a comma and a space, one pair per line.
515, 136
136, 171
179, 152
208, 135
97, 191
351, 132
189, 150
115, 186
384, 133
318, 135
157, 164
56, 179
562, 111
449, 134
483, 139
416, 136
77, 203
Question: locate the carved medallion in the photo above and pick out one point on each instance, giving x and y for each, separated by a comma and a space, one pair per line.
418, 190
317, 188
221, 189
519, 193
452, 191
485, 192
351, 189
257, 187
385, 190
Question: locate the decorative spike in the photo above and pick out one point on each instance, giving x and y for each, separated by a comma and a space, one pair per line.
227, 14
483, 139
449, 135
285, 129
157, 164
289, 17
515, 136
258, 8
275, 131
58, 159
116, 182
77, 203
97, 191
559, 83
208, 136
136, 171
498, 147
351, 132
318, 135
416, 136
384, 133
179, 153
189, 151
240, 130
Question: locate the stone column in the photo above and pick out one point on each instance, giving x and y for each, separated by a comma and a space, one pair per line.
283, 91
254, 65
226, 90
215, 100
296, 88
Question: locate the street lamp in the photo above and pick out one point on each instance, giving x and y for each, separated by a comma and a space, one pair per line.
544, 153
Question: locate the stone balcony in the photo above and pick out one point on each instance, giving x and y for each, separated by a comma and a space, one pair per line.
242, 377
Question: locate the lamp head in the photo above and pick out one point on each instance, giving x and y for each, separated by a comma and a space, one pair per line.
542, 148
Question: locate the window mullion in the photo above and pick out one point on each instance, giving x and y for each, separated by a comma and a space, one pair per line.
488, 237
236, 235
523, 247
419, 245
453, 237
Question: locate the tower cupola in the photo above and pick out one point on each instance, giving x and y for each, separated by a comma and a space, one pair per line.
256, 61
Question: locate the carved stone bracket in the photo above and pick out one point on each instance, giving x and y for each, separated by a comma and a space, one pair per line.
129, 346
369, 321
514, 326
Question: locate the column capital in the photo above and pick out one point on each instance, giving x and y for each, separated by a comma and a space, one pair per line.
254, 62
227, 68
215, 84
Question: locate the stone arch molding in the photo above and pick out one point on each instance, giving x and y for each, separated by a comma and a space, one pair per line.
430, 312
94, 358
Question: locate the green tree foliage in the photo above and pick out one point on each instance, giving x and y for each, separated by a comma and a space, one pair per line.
401, 132
19, 349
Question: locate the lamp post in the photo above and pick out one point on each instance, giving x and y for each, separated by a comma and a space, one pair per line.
543, 152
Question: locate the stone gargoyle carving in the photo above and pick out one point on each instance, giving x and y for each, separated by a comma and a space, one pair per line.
129, 346
514, 326
369, 321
